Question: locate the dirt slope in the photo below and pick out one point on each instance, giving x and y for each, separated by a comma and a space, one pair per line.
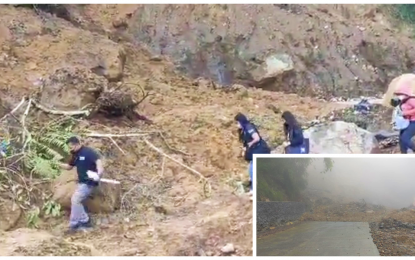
167, 211
336, 49
197, 122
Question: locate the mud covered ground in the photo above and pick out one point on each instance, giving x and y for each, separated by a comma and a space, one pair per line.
394, 234
165, 209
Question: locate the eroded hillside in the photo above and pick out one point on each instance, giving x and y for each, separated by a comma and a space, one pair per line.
166, 210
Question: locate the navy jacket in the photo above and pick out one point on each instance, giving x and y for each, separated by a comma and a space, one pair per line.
85, 160
260, 147
295, 135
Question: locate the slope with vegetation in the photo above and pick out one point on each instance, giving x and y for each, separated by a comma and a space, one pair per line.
118, 77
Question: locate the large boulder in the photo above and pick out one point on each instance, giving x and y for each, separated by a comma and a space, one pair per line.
105, 199
339, 137
71, 88
273, 66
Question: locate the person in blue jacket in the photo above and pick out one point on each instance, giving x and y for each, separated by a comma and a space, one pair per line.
252, 142
296, 144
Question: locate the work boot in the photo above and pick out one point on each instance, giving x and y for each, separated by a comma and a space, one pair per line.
85, 225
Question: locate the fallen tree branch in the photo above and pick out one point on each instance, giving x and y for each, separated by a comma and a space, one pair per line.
14, 109
114, 135
115, 143
26, 112
171, 148
60, 112
203, 178
174, 160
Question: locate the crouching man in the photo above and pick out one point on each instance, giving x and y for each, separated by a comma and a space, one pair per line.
90, 169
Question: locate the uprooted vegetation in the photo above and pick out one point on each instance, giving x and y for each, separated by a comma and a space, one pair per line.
179, 195
32, 156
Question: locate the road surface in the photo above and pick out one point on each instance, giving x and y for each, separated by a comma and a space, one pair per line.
320, 239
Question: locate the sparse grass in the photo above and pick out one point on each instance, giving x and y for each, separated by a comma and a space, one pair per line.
403, 16
405, 12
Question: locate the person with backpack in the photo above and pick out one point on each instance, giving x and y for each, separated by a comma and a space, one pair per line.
251, 141
295, 141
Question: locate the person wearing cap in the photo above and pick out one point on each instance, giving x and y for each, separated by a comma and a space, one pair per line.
296, 143
90, 169
252, 142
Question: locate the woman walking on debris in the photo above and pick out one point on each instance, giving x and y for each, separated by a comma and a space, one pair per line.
90, 169
296, 143
252, 142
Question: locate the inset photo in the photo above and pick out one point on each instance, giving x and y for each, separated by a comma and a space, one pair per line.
342, 205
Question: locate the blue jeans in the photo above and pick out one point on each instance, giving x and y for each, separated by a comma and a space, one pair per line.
250, 171
78, 212
405, 137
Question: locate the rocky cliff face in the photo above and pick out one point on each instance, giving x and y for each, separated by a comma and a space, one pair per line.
308, 49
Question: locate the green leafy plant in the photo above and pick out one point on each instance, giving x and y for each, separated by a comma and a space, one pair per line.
405, 12
32, 218
284, 178
52, 208
47, 147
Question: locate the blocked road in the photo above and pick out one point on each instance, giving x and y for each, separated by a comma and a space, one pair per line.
320, 239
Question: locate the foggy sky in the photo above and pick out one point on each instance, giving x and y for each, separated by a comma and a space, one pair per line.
385, 181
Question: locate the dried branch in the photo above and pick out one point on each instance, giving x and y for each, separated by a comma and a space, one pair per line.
144, 93
114, 135
174, 160
14, 109
115, 143
23, 120
169, 147
60, 112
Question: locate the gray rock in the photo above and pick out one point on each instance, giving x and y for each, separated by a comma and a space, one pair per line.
276, 213
339, 137
228, 249
273, 66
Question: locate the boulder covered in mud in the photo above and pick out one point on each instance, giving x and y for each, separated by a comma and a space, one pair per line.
272, 66
339, 137
106, 198
71, 88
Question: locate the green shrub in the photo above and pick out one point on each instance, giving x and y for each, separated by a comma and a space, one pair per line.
405, 12
283, 178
